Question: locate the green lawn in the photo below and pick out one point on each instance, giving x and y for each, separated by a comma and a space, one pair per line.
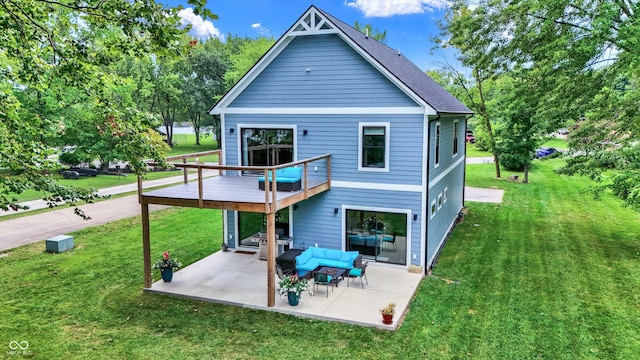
548, 274
185, 145
555, 143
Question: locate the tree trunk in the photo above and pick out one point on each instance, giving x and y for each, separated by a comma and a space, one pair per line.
196, 128
485, 116
526, 173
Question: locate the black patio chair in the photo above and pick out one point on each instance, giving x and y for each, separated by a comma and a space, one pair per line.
323, 279
358, 273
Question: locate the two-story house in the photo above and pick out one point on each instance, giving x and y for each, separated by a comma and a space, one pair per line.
386, 143
396, 140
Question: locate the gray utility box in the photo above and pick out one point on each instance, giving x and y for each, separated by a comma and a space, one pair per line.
60, 243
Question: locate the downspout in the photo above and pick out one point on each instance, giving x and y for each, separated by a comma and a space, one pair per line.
427, 216
464, 172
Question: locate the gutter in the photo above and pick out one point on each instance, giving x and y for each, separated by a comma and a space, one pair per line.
427, 216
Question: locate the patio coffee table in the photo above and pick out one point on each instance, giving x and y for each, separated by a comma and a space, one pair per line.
336, 273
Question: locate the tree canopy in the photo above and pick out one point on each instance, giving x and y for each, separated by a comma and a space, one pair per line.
55, 62
576, 63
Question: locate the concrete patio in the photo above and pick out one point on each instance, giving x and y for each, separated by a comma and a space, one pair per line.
239, 279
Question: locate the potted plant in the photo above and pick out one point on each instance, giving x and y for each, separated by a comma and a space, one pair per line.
387, 313
166, 265
293, 286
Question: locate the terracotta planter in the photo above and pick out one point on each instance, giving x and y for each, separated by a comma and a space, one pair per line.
387, 319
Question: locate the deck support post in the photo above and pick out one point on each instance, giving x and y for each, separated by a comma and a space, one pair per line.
185, 172
146, 246
271, 259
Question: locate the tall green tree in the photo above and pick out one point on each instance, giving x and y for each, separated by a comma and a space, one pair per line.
203, 81
72, 42
583, 55
462, 29
244, 54
372, 32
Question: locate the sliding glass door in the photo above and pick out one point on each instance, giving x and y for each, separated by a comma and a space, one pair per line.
266, 147
380, 236
251, 223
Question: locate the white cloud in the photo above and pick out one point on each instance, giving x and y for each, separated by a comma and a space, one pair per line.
386, 8
260, 29
200, 28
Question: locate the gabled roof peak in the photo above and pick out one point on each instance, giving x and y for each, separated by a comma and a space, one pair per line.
312, 22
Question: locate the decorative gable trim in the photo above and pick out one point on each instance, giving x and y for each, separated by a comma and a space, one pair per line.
312, 22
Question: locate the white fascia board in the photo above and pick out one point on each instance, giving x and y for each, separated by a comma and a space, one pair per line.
328, 111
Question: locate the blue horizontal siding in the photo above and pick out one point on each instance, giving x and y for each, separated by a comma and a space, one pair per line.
338, 135
337, 77
315, 221
447, 158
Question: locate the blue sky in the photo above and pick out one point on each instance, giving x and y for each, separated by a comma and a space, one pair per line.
410, 24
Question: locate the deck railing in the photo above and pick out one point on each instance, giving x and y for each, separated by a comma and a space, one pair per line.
270, 186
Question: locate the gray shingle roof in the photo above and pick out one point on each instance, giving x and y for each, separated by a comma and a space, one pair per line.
403, 69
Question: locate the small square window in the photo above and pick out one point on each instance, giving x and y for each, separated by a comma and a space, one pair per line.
433, 209
440, 201
445, 194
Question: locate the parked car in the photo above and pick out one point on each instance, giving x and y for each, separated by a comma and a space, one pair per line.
470, 138
75, 172
545, 151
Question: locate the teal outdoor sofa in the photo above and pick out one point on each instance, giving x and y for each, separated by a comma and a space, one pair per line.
287, 179
313, 257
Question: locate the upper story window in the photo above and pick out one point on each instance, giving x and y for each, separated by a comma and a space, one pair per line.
455, 138
373, 141
436, 155
266, 146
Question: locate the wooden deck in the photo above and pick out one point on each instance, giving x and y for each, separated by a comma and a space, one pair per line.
233, 192
230, 193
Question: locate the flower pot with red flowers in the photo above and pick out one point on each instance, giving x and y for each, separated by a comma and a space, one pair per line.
166, 266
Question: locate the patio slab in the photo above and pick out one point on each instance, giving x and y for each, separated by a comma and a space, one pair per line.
239, 279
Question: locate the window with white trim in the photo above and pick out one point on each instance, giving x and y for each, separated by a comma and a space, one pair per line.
445, 194
455, 138
436, 154
440, 201
373, 147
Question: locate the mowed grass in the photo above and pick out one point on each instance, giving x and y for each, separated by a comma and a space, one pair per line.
548, 274
185, 146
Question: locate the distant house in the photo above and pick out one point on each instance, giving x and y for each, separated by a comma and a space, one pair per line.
378, 146
396, 139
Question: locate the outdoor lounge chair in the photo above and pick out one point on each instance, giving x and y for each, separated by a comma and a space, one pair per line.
358, 273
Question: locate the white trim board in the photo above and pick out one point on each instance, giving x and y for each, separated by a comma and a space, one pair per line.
375, 186
439, 178
327, 110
